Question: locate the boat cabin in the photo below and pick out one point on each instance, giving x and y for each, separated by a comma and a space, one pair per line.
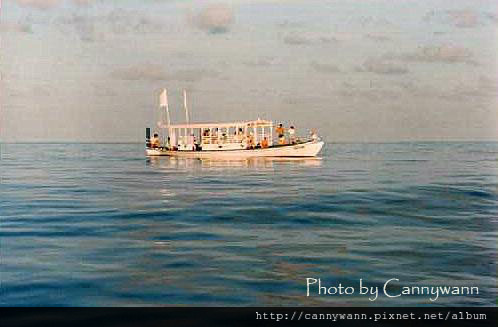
219, 136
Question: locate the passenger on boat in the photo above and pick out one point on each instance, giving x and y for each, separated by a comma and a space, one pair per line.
280, 131
154, 141
314, 135
239, 136
281, 140
197, 143
264, 143
250, 141
292, 135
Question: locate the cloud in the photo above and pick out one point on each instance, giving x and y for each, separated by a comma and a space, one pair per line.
262, 62
417, 89
146, 72
192, 75
371, 21
325, 68
15, 27
39, 4
117, 21
42, 90
214, 19
468, 88
125, 21
83, 2
371, 91
296, 39
464, 18
436, 54
84, 26
491, 17
152, 72
484, 87
382, 66
104, 91
290, 24
49, 4
378, 37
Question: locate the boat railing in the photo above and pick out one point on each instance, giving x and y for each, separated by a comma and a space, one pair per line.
240, 139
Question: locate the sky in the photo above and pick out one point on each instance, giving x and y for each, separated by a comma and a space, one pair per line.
355, 70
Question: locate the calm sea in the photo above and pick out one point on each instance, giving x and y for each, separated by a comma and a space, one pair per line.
100, 224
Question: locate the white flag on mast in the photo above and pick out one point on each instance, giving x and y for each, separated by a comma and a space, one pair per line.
163, 98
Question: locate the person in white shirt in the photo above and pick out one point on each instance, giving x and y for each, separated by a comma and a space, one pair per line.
292, 135
314, 135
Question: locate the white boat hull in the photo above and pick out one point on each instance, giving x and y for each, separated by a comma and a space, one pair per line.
308, 149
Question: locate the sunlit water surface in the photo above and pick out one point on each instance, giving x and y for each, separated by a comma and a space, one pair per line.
100, 224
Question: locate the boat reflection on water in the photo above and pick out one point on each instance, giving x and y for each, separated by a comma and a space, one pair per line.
260, 162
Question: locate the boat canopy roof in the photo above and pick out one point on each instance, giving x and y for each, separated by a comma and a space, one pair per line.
250, 123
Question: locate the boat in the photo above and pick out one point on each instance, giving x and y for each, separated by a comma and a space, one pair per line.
226, 140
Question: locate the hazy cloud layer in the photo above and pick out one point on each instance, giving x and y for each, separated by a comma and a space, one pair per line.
378, 37
355, 71
438, 54
464, 18
296, 39
84, 26
146, 72
214, 19
83, 2
262, 62
382, 66
324, 68
39, 4
102, 27
300, 38
154, 72
15, 27
48, 4
374, 22
484, 88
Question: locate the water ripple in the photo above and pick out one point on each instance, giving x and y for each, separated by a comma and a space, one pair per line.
95, 224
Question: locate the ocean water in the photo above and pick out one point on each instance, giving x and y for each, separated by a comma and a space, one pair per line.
102, 225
